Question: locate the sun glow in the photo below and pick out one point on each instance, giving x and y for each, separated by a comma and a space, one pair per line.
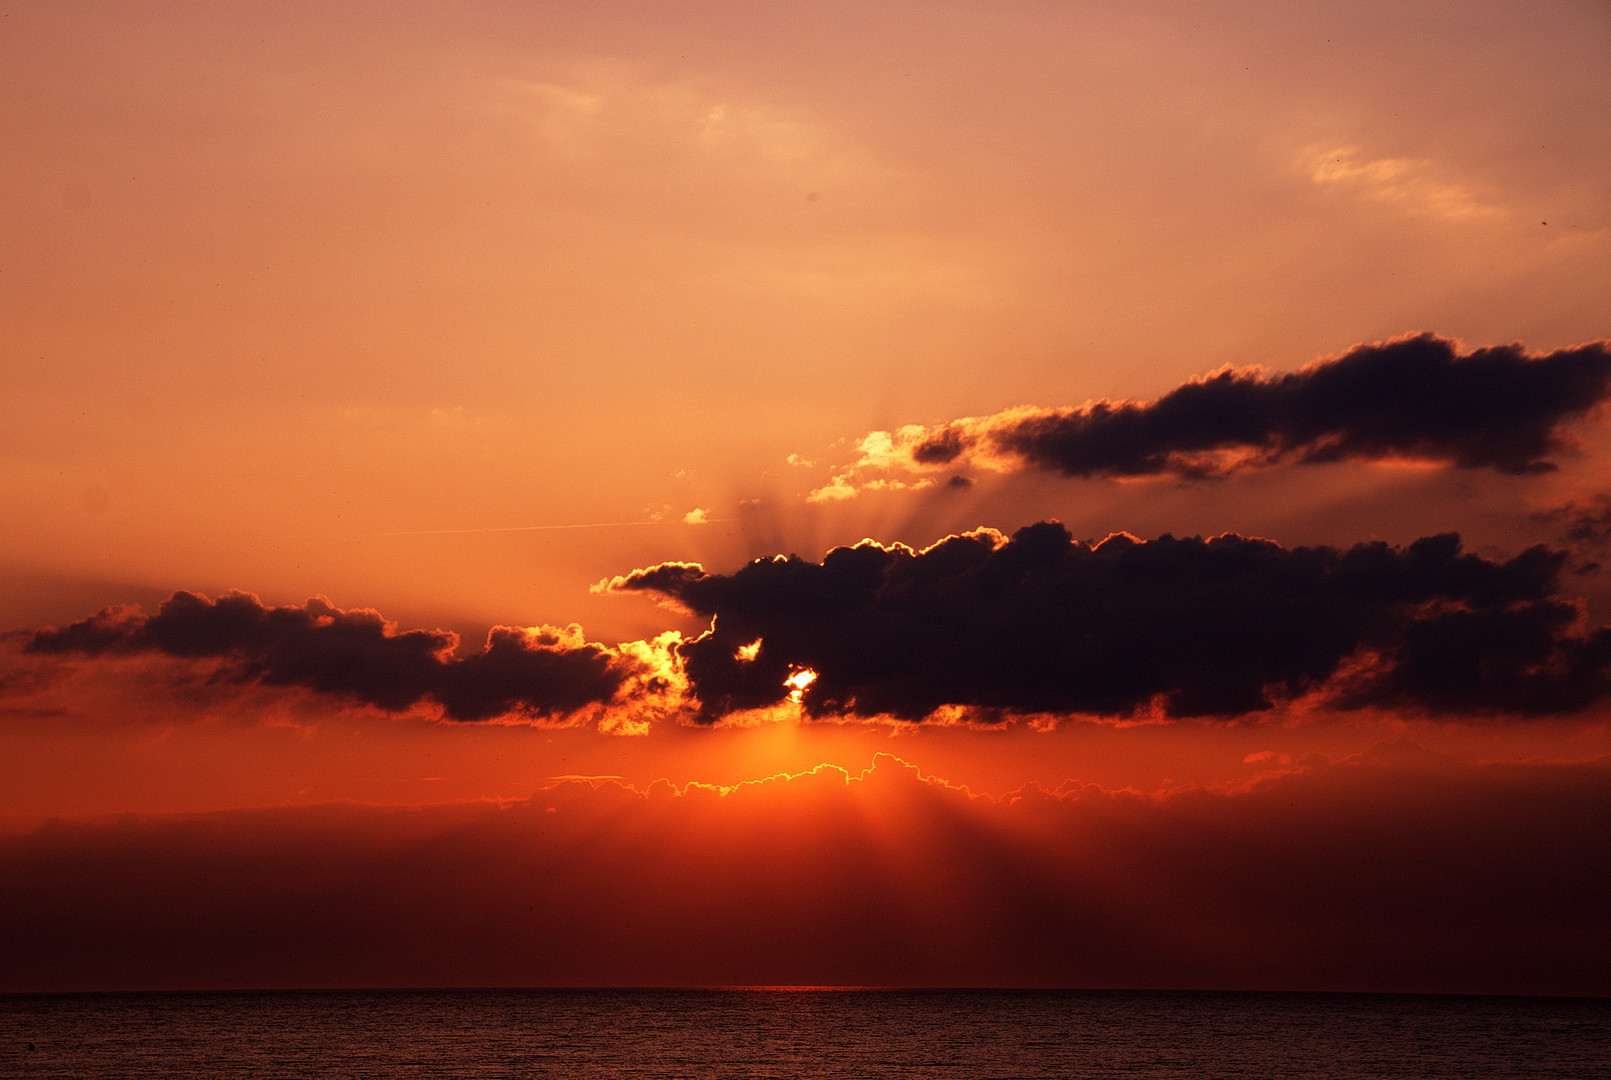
799, 679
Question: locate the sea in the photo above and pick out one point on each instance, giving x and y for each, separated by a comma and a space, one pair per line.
797, 1033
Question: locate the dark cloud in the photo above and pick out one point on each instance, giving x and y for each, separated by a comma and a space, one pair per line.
1586, 526
357, 654
1524, 659
1499, 408
1042, 623
1038, 623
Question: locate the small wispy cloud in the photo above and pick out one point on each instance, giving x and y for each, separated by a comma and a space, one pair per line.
1415, 185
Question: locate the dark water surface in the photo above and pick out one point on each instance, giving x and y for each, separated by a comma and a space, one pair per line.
800, 1034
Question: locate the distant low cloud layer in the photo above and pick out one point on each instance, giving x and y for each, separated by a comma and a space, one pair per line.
1394, 870
1419, 398
1043, 623
356, 654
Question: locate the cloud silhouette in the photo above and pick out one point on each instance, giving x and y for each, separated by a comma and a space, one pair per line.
357, 654
1501, 408
979, 626
1225, 626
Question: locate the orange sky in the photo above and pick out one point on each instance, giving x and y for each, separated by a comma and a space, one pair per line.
457, 313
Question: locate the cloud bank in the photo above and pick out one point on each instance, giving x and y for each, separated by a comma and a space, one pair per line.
357, 655
1418, 398
1376, 873
1227, 626
980, 627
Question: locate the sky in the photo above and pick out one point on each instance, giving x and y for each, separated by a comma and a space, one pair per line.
956, 494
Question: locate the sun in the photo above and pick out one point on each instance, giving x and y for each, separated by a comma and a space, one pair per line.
798, 680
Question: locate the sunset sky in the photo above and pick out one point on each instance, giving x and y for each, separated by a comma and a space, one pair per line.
883, 494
